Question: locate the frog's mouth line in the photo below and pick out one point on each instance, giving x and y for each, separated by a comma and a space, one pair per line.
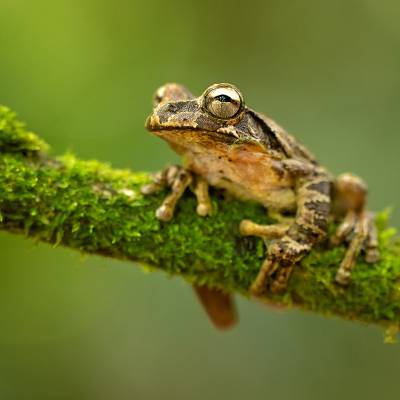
195, 135
167, 132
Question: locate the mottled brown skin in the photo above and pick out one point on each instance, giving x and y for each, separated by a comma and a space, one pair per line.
229, 146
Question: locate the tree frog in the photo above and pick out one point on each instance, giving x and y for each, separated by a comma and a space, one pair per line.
226, 144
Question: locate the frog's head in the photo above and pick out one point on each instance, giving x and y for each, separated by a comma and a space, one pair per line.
219, 114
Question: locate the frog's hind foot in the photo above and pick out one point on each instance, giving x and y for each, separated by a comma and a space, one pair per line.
277, 268
273, 275
294, 239
178, 179
358, 228
359, 231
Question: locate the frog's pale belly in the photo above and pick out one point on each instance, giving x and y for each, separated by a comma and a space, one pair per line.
245, 172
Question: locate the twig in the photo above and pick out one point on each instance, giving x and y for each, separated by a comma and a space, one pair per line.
88, 206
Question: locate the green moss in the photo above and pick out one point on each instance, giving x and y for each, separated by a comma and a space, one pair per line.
88, 206
15, 138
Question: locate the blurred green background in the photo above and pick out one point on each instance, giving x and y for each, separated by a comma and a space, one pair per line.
82, 73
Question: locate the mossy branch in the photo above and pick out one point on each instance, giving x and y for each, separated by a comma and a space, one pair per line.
88, 206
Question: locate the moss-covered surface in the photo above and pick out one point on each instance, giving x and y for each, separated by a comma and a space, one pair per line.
88, 206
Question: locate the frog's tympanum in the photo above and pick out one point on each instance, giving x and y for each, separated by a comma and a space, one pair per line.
228, 145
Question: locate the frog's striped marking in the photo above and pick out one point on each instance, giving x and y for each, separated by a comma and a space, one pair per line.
310, 226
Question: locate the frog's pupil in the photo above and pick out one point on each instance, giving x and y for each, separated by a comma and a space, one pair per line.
223, 98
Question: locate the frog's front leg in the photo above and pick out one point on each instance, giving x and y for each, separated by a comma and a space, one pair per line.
308, 228
201, 190
358, 226
178, 179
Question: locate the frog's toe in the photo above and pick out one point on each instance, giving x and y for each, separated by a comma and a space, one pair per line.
272, 278
246, 227
158, 182
343, 276
344, 229
150, 189
204, 209
279, 284
164, 213
259, 285
372, 256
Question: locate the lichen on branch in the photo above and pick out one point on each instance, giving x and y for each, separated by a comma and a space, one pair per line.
93, 208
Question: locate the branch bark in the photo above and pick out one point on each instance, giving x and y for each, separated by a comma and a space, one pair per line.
90, 207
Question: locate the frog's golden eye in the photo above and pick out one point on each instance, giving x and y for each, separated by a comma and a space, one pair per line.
223, 101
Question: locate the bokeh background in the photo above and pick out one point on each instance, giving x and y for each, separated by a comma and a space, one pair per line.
82, 73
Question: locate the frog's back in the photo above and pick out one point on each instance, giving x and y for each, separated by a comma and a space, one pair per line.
287, 143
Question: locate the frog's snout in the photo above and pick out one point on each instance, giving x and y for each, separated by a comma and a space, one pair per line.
150, 123
159, 119
147, 123
173, 114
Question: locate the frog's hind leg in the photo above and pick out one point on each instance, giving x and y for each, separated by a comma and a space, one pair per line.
178, 179
358, 226
307, 229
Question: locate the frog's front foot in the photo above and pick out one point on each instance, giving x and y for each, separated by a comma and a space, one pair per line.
178, 179
357, 229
